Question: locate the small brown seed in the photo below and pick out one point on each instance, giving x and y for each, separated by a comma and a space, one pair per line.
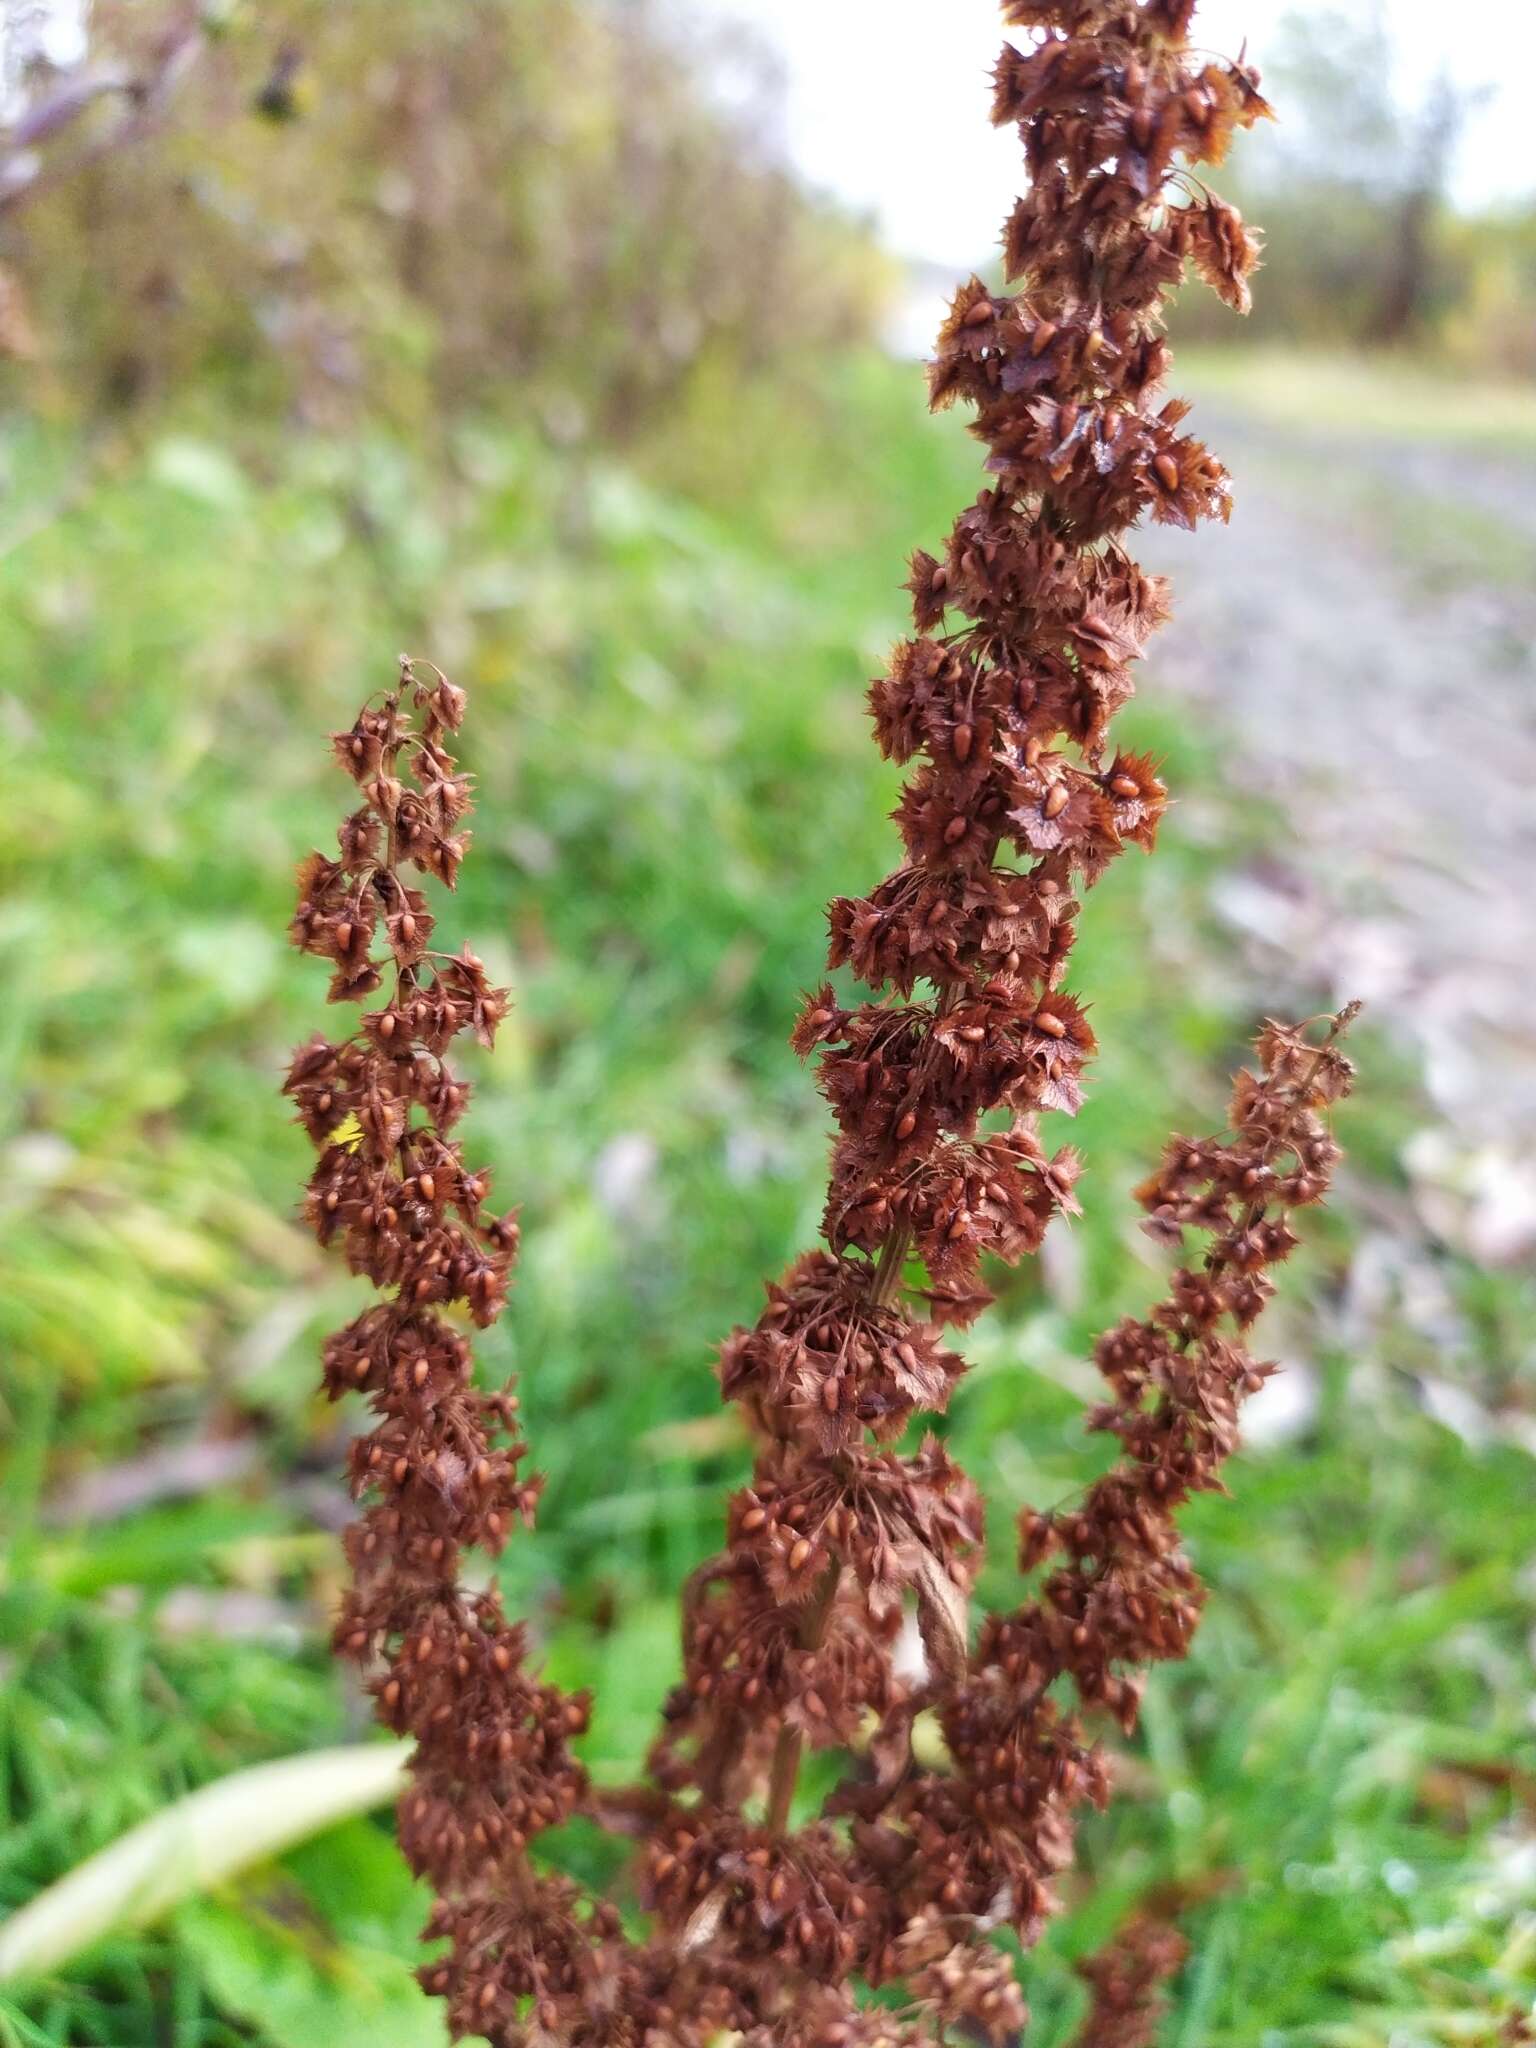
1048, 1022
1167, 471
956, 830
1056, 800
799, 1551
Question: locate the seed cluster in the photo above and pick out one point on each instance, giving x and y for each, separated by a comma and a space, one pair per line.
1027, 626
1125, 1982
440, 1470
835, 1623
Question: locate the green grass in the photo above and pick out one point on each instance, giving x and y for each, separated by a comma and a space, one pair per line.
1363, 396
667, 664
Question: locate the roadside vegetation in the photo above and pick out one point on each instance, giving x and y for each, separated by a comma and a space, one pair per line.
1341, 1782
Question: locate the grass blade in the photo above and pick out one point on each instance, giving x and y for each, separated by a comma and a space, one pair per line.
196, 1844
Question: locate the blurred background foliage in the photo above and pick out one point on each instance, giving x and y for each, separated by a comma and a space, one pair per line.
495, 332
395, 209
1351, 185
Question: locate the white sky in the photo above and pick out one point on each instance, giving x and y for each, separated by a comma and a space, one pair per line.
887, 99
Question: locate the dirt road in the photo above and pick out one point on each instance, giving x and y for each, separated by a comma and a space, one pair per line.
1365, 633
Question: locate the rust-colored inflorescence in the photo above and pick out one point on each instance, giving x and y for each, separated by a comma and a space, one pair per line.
440, 1468
838, 1613
1126, 1982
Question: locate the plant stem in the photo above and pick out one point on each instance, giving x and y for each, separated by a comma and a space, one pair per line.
790, 1744
893, 1256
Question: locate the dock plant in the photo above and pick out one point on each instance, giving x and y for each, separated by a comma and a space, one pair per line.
837, 1616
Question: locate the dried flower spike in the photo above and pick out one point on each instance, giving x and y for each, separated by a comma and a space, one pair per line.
1126, 1980
1027, 626
440, 1470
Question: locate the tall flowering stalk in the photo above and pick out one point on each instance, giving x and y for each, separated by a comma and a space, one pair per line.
1027, 626
774, 1893
440, 1470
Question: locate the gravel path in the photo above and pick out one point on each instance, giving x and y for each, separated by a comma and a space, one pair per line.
1365, 633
